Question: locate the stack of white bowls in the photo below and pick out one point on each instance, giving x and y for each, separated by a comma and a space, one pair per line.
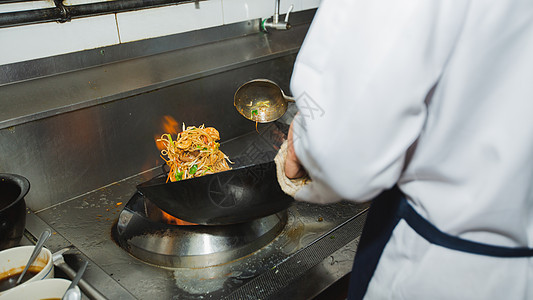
43, 285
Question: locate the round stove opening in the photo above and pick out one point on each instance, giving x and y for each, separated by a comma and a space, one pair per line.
145, 232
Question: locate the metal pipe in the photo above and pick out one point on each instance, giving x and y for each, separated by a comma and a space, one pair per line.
14, 1
276, 11
276, 23
64, 13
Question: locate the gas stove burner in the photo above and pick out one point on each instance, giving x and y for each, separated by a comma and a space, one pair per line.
144, 231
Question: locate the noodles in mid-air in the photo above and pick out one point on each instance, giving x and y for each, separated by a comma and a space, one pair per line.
194, 153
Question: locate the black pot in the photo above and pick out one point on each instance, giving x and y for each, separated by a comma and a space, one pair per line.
13, 188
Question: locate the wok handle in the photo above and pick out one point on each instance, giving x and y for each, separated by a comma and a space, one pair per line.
165, 171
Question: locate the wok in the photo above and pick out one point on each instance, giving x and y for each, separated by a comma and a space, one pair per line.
13, 188
229, 197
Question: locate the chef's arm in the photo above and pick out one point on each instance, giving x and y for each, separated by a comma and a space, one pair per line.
360, 82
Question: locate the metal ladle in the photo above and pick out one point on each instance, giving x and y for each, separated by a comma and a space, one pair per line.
36, 251
261, 100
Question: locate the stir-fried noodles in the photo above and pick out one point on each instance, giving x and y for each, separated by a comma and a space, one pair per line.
194, 153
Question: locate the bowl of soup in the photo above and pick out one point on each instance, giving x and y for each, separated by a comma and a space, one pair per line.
13, 261
47, 289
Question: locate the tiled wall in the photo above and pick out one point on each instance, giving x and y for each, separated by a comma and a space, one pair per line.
27, 42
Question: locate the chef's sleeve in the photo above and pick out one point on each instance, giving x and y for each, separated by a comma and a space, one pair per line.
361, 83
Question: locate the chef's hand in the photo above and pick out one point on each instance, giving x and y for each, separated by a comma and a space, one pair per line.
293, 167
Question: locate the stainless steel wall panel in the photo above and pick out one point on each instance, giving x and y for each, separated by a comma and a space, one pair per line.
43, 97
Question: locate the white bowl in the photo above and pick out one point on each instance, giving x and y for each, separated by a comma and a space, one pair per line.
13, 261
53, 288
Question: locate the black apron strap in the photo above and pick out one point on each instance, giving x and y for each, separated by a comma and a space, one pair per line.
433, 235
380, 222
385, 212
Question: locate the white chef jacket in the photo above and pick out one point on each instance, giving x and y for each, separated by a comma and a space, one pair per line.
437, 97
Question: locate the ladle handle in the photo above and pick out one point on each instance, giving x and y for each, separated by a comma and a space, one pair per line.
290, 98
76, 279
72, 293
36, 251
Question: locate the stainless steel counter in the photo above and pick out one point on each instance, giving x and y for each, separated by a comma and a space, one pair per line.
318, 243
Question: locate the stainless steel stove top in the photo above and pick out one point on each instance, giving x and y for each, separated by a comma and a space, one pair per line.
317, 242
313, 249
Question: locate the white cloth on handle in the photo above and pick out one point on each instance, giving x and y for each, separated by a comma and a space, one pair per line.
289, 186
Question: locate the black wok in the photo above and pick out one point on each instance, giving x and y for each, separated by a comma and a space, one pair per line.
229, 197
13, 188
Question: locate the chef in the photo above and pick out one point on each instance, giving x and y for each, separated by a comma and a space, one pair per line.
426, 107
